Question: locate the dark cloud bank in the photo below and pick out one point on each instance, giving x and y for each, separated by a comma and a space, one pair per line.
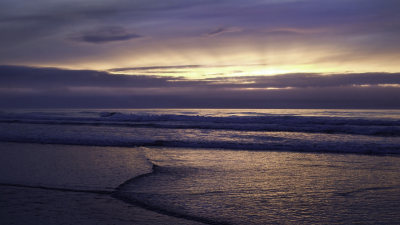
105, 34
28, 27
51, 87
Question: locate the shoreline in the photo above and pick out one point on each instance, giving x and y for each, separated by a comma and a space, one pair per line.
23, 205
60, 184
120, 195
64, 184
161, 144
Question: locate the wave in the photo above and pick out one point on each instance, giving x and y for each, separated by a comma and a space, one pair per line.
99, 192
266, 132
121, 193
124, 193
296, 146
362, 190
285, 123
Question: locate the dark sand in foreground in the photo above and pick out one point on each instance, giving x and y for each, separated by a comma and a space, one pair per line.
72, 168
24, 206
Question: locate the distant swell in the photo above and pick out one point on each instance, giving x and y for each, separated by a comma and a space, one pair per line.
308, 124
352, 193
299, 147
259, 132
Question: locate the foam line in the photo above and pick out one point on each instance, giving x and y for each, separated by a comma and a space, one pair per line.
100, 192
388, 130
383, 149
120, 194
123, 195
361, 190
309, 124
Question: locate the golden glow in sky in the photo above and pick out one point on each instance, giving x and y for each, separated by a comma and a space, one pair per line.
200, 53
203, 39
244, 59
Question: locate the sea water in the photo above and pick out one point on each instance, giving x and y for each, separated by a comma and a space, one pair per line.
234, 166
346, 131
248, 187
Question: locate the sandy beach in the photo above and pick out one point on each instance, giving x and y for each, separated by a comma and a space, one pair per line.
60, 201
76, 184
35, 206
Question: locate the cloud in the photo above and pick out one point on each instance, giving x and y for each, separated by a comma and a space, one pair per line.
149, 68
309, 80
154, 68
223, 30
295, 31
43, 78
105, 34
34, 32
30, 77
52, 87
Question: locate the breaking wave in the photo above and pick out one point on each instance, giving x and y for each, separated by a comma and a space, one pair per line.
245, 131
273, 123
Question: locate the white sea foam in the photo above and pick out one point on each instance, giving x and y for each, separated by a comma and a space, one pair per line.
242, 187
263, 122
245, 130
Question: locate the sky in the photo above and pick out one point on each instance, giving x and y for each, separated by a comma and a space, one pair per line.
200, 53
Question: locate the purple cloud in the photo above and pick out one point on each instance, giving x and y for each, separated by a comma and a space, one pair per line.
105, 34
51, 87
222, 30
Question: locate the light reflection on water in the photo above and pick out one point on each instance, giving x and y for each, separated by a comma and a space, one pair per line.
352, 113
227, 139
240, 187
244, 187
323, 130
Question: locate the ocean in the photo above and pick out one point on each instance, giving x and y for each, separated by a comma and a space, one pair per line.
215, 166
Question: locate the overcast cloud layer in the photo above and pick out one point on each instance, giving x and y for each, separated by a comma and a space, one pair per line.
200, 53
49, 87
340, 34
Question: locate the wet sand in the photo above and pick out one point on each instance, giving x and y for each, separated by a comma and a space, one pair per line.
19, 205
76, 182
